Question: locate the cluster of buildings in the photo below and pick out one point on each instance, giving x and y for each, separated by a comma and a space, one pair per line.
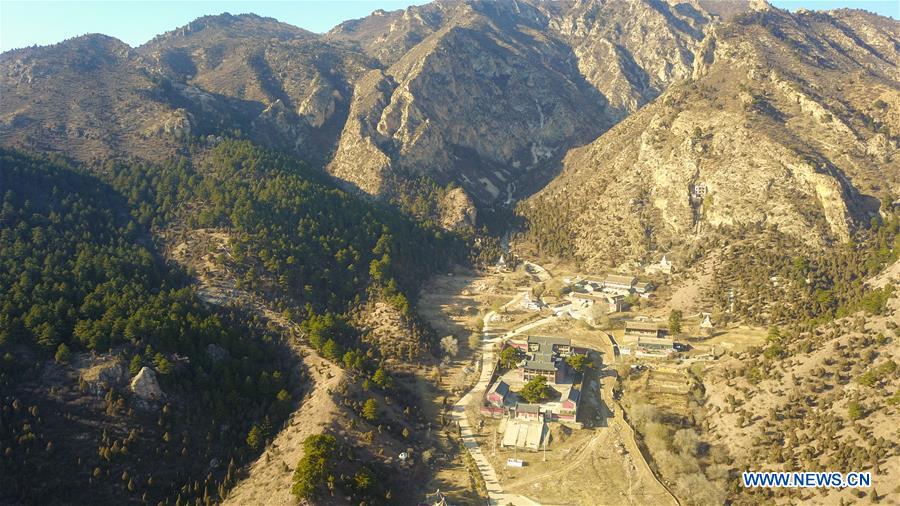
614, 285
544, 356
585, 294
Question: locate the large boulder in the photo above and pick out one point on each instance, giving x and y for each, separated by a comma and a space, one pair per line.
145, 386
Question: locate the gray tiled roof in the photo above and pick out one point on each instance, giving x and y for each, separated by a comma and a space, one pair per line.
536, 365
528, 408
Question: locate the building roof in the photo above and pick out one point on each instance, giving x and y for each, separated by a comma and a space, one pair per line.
592, 297
549, 340
659, 341
633, 325
540, 365
619, 280
573, 395
501, 388
527, 408
542, 356
524, 434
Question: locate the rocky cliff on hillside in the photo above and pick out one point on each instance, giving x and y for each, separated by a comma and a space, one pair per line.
632, 51
296, 86
790, 121
490, 95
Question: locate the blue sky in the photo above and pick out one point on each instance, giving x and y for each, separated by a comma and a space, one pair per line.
28, 22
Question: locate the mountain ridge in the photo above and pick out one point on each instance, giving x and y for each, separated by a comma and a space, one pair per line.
710, 131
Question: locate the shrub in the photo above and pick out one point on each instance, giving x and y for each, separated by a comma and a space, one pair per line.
855, 410
62, 354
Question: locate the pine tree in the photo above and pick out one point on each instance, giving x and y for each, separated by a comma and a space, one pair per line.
135, 366
254, 438
370, 410
675, 322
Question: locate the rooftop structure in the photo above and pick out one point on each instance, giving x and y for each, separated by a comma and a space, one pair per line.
641, 287
528, 408
524, 434
546, 344
540, 365
656, 344
642, 329
565, 409
498, 394
618, 282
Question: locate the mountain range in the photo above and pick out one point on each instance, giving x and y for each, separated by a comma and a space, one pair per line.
493, 97
270, 202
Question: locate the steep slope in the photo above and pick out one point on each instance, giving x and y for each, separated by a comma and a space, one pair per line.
490, 95
486, 96
89, 97
789, 121
88, 297
387, 36
94, 97
632, 51
299, 84
828, 401
112, 369
475, 103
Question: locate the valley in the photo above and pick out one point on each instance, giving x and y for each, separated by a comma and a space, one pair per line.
519, 252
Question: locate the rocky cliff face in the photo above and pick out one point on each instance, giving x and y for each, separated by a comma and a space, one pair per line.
490, 95
632, 51
294, 86
776, 128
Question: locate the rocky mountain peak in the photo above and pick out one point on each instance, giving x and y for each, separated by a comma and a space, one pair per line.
227, 26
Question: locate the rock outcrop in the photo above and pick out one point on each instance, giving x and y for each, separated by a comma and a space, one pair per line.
146, 388
392, 332
216, 353
458, 210
99, 374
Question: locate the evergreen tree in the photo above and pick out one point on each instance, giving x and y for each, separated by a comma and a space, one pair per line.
370, 410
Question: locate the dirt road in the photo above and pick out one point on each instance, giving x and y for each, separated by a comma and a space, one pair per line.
491, 481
